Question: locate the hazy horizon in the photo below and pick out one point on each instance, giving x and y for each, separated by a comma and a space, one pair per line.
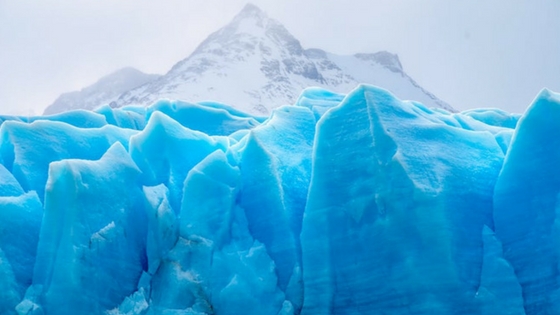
469, 54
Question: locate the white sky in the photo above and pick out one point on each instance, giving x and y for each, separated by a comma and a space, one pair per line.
470, 53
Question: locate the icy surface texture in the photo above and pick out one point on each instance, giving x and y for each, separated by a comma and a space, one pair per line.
339, 204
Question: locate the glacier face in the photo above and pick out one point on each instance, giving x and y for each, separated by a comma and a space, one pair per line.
356, 204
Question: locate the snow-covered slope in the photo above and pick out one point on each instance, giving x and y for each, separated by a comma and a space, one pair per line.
104, 91
254, 64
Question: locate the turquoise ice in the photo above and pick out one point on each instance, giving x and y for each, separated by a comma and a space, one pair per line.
338, 204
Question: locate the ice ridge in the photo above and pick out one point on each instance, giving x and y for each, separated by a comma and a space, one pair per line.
338, 204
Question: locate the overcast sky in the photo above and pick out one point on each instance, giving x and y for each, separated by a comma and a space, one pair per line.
469, 53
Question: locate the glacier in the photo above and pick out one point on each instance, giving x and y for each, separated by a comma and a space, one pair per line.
338, 204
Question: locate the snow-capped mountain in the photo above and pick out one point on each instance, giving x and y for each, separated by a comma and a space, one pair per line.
104, 91
255, 64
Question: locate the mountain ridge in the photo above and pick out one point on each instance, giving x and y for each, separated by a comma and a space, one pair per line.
255, 64
105, 90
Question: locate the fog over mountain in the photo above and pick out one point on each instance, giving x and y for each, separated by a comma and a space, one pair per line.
253, 63
469, 53
104, 91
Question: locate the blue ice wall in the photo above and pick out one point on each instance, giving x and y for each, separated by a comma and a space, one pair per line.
395, 189
339, 204
526, 205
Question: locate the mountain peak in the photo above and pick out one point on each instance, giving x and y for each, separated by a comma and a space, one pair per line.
255, 63
251, 10
250, 32
250, 20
